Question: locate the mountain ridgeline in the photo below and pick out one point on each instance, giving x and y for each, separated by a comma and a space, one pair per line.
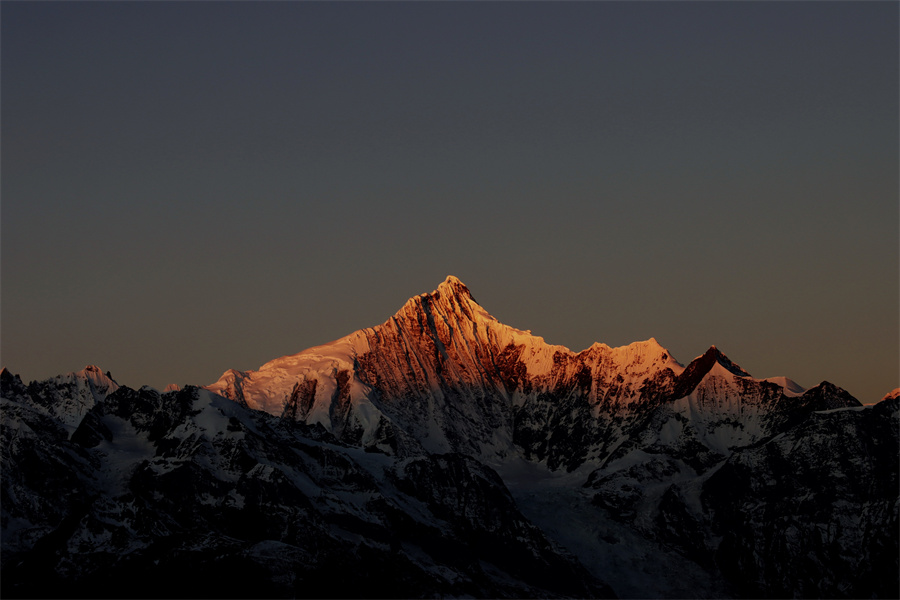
444, 453
442, 375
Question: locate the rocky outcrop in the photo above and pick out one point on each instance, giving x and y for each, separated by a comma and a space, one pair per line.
442, 375
176, 493
814, 511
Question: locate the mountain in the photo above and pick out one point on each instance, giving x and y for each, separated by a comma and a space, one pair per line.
444, 453
443, 375
171, 495
818, 510
67, 398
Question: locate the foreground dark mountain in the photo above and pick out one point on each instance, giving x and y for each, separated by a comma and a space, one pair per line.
443, 453
153, 489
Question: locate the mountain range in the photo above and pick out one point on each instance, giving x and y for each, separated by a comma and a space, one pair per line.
443, 453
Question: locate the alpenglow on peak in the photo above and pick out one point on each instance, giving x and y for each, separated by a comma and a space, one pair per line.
443, 375
454, 287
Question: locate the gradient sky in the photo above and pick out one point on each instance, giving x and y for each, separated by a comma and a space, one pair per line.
192, 187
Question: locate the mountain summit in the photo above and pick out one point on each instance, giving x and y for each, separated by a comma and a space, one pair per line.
443, 375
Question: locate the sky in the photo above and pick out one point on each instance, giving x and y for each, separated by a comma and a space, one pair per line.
189, 187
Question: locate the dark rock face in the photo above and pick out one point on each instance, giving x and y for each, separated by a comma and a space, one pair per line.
809, 512
442, 375
813, 512
192, 488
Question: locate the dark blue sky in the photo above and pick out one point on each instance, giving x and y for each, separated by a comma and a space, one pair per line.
191, 187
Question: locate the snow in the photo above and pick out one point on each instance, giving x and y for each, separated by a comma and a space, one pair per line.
616, 553
450, 281
270, 387
95, 375
211, 420
671, 432
720, 413
639, 353
74, 394
446, 341
121, 456
844, 409
791, 388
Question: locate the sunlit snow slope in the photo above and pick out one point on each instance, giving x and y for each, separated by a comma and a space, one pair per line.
442, 375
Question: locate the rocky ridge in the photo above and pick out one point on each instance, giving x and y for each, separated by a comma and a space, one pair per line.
390, 463
190, 487
443, 375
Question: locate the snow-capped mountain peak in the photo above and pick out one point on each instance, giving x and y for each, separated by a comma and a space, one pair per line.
444, 375
69, 397
100, 380
698, 369
647, 351
439, 366
453, 286
451, 301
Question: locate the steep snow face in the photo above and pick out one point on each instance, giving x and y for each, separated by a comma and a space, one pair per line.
715, 410
791, 388
443, 375
190, 482
715, 407
726, 410
828, 483
270, 388
436, 346
69, 397
621, 372
826, 480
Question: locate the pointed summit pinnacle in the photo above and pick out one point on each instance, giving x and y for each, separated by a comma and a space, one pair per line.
700, 366
712, 356
451, 297
452, 286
